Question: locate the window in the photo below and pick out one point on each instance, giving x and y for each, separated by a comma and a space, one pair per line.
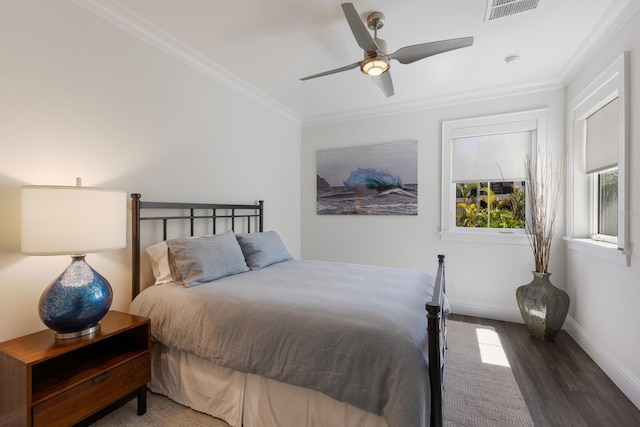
606, 206
601, 164
490, 204
597, 220
483, 185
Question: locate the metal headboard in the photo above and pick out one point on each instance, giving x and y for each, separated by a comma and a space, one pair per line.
247, 214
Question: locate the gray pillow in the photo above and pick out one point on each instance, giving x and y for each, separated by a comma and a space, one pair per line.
262, 249
204, 259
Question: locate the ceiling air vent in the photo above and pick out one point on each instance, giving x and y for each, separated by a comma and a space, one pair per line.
501, 8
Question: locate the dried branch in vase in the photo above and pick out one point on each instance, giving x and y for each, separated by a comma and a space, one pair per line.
543, 181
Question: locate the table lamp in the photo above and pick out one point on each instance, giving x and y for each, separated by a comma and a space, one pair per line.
74, 221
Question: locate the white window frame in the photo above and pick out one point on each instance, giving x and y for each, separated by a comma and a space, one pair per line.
610, 84
533, 120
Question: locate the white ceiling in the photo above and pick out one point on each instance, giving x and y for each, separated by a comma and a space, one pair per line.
265, 46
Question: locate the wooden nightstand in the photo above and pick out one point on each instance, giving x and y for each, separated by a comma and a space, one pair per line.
44, 382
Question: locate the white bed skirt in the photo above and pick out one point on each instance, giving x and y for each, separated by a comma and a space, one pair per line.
245, 399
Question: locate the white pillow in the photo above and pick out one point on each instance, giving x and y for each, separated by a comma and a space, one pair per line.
159, 256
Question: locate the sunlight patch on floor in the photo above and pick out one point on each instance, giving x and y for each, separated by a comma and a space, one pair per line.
491, 350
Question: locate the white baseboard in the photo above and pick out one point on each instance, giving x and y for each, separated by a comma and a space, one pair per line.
470, 308
619, 374
616, 371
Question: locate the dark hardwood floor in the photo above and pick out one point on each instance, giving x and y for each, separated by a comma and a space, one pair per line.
559, 382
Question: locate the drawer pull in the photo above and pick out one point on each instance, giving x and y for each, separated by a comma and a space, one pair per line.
100, 377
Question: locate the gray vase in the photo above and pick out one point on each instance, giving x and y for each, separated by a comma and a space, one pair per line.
543, 306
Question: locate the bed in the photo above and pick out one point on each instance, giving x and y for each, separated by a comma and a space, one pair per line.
246, 333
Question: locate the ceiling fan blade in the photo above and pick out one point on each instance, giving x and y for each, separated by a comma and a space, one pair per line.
337, 70
384, 82
360, 32
409, 54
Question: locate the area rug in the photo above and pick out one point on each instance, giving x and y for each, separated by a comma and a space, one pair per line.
161, 412
480, 390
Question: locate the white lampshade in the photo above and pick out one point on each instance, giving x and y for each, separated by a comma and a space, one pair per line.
72, 220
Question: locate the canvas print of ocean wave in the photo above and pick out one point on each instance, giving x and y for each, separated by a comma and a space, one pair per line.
379, 179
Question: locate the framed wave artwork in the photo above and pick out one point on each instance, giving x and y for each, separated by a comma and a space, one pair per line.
379, 179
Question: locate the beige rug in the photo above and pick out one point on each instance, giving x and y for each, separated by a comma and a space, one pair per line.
161, 412
480, 390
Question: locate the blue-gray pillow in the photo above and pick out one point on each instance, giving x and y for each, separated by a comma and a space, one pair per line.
262, 249
200, 260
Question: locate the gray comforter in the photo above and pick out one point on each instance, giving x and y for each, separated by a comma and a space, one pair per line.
355, 333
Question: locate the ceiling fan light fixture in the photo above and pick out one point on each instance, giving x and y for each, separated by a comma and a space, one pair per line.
374, 66
376, 61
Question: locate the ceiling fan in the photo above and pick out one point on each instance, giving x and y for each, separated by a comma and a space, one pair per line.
376, 61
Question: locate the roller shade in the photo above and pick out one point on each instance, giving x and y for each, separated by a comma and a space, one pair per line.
498, 157
602, 138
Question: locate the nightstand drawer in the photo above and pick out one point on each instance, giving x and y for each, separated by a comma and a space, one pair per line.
94, 394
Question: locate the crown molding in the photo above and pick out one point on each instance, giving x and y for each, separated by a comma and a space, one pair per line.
119, 15
484, 94
616, 17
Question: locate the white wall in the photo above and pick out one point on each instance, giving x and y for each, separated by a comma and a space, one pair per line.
481, 278
604, 297
80, 97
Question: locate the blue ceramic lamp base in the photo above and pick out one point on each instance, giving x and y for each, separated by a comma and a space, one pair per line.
73, 304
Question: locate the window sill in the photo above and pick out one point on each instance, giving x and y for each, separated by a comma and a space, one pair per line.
603, 250
489, 237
